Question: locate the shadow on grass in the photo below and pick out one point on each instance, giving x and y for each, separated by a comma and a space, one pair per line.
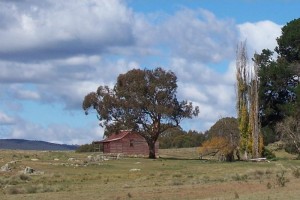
200, 160
175, 158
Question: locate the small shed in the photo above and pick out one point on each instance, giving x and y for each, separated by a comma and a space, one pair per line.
126, 142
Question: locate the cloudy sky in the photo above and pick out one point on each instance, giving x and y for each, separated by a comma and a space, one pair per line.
53, 52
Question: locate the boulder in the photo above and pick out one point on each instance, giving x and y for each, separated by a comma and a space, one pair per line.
72, 159
134, 170
28, 170
5, 168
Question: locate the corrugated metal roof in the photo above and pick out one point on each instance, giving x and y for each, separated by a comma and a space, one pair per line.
115, 136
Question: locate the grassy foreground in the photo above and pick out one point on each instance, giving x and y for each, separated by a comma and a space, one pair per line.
176, 175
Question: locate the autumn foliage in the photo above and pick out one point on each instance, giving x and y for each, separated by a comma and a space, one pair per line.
223, 139
220, 146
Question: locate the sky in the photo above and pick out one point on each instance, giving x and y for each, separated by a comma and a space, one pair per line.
53, 53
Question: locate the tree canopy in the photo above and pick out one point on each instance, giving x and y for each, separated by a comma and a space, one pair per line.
178, 138
289, 42
143, 101
279, 85
223, 138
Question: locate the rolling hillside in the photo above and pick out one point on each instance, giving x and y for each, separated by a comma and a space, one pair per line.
21, 144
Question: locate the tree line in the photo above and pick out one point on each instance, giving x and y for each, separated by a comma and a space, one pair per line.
267, 99
178, 138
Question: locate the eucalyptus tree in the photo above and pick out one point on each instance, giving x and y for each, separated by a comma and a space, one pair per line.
143, 101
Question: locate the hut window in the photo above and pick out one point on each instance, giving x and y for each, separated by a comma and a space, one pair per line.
131, 143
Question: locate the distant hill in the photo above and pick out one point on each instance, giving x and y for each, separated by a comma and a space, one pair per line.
21, 144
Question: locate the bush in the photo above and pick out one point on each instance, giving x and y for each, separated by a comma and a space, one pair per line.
291, 149
281, 179
296, 172
268, 154
31, 189
24, 177
15, 190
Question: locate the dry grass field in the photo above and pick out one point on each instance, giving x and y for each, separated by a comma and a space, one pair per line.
178, 174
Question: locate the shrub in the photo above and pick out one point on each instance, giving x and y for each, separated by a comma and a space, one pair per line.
269, 185
15, 190
238, 177
268, 154
281, 179
24, 177
236, 195
296, 172
14, 180
31, 189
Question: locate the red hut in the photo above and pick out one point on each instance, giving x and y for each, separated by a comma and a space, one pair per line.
126, 142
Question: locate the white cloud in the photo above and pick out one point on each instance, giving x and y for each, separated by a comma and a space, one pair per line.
193, 71
87, 26
27, 94
18, 72
260, 35
79, 60
57, 133
19, 92
62, 80
5, 119
198, 34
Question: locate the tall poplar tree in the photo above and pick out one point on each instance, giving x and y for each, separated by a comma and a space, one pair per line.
247, 103
257, 140
242, 76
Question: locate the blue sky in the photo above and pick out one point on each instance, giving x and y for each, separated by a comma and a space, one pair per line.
52, 53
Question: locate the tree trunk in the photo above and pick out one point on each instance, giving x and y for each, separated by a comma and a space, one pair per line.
230, 157
237, 153
151, 145
246, 155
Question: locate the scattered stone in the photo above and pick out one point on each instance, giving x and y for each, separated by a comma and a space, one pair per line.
90, 158
71, 159
5, 168
134, 170
118, 156
126, 186
31, 171
259, 160
28, 170
98, 158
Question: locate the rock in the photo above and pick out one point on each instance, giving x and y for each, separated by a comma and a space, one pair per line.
34, 159
98, 158
5, 168
134, 170
12, 162
31, 171
119, 156
71, 159
28, 170
56, 159
90, 158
